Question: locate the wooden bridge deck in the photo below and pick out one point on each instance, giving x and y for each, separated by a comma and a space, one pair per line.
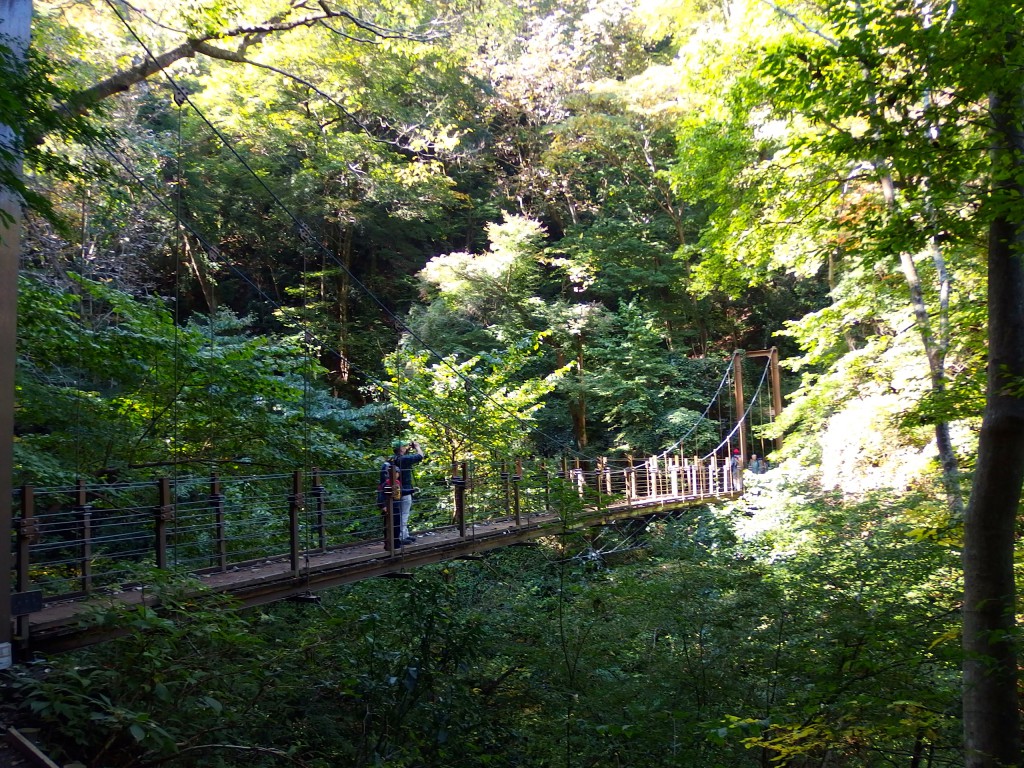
58, 626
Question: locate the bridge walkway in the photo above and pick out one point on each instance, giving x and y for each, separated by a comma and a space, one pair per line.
91, 546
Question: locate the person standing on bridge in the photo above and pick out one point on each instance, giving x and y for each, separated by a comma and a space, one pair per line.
736, 469
405, 456
757, 465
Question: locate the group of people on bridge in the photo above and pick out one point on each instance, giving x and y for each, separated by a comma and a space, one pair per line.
756, 464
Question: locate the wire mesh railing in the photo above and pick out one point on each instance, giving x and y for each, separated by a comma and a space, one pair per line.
75, 541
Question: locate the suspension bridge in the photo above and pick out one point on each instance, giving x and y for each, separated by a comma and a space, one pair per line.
273, 536
276, 536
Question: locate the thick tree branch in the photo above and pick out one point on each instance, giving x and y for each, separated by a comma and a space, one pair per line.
122, 81
248, 36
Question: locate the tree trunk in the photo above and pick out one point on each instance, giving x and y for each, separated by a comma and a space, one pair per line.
990, 704
14, 26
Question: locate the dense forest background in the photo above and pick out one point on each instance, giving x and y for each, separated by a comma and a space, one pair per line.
278, 234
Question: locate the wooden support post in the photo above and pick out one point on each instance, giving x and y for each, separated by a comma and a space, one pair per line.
776, 380
28, 534
319, 496
517, 478
163, 514
629, 475
737, 384
295, 504
775, 384
506, 487
547, 486
84, 513
217, 500
459, 483
392, 513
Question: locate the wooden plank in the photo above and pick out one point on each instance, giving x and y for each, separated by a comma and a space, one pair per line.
24, 745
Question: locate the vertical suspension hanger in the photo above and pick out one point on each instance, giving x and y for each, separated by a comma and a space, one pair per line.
307, 375
761, 413
82, 270
180, 98
722, 418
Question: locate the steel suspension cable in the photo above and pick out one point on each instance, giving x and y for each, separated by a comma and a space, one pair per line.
176, 320
740, 422
703, 416
270, 301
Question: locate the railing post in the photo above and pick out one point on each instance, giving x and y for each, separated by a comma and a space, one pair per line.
164, 513
547, 487
776, 386
459, 483
295, 502
629, 477
219, 525
319, 494
392, 514
506, 488
563, 475
84, 512
516, 479
28, 534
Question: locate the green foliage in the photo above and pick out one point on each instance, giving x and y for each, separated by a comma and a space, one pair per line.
470, 408
30, 107
790, 627
647, 399
111, 387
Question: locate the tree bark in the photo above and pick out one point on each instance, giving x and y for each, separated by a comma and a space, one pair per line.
15, 16
990, 702
245, 36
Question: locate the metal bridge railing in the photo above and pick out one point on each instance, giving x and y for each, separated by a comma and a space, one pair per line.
75, 541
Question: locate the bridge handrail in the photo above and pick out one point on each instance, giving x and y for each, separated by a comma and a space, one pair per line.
74, 541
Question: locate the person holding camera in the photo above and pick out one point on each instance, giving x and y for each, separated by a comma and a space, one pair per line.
406, 455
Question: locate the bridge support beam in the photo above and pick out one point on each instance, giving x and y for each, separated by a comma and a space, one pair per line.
737, 390
15, 23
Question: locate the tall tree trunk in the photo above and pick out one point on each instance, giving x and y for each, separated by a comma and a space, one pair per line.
15, 16
935, 347
577, 401
990, 702
580, 411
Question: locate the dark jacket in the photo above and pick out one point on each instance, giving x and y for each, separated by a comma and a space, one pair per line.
405, 464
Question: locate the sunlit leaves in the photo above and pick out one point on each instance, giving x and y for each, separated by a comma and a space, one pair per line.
473, 407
